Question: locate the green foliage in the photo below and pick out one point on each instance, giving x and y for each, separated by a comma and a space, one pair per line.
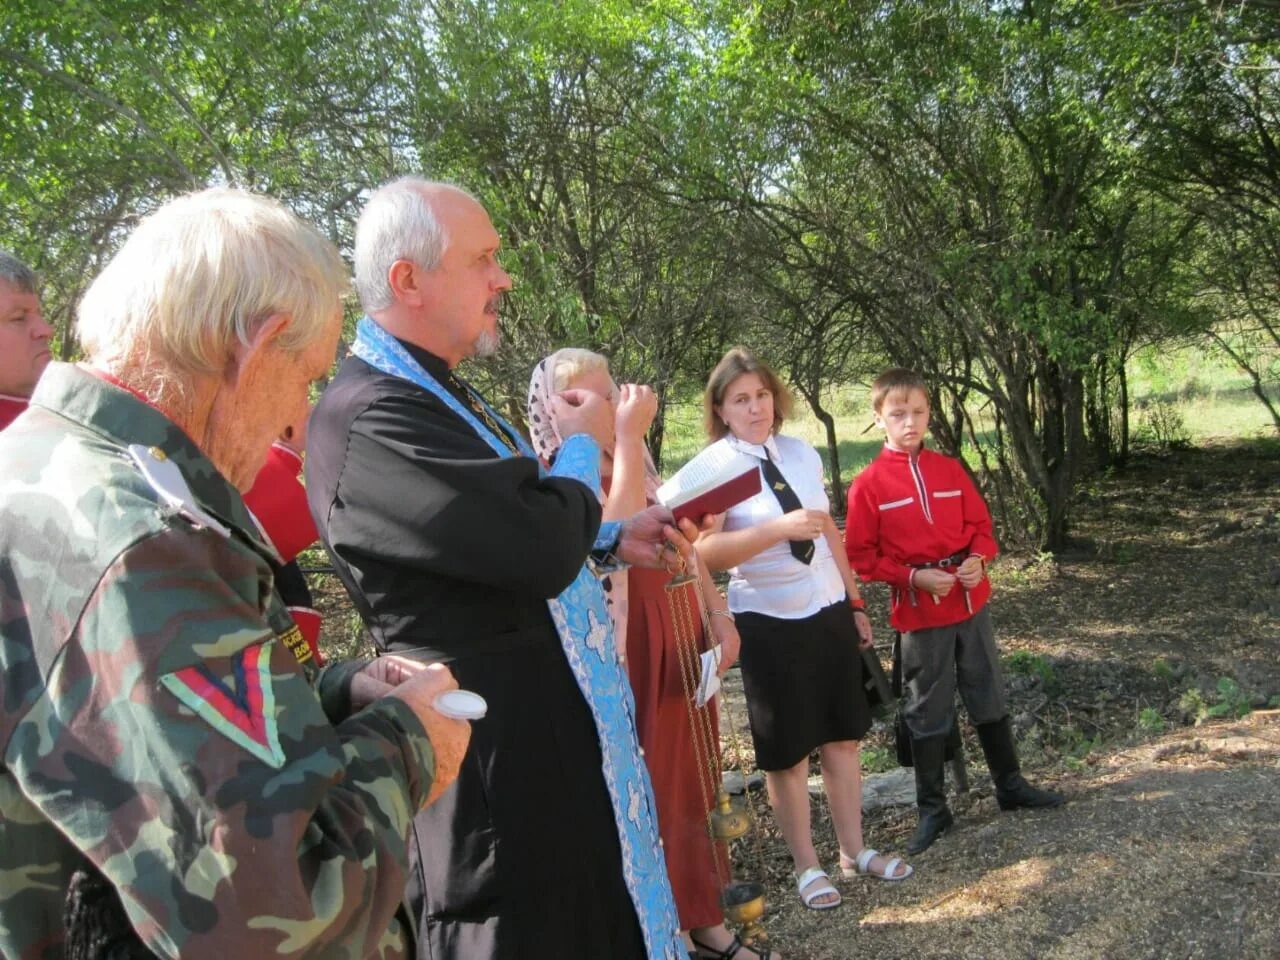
1229, 701
878, 759
1150, 720
1033, 665
1078, 746
1162, 426
1027, 202
1193, 702
1162, 670
1232, 701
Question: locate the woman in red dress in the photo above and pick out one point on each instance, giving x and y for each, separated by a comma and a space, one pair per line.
680, 741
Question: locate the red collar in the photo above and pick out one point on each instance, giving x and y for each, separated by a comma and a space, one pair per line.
889, 453
115, 381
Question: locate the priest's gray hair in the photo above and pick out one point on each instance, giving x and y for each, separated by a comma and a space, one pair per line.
398, 223
202, 273
17, 273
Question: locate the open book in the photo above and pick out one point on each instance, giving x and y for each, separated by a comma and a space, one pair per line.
712, 482
708, 677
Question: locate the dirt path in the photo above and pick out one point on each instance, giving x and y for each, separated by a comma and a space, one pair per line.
1167, 610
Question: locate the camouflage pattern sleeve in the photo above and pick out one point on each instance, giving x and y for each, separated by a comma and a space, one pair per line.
176, 742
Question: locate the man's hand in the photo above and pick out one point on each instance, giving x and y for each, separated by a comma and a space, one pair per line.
971, 572
449, 738
581, 411
649, 540
937, 582
378, 677
637, 406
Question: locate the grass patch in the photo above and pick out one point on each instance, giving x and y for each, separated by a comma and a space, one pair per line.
1030, 664
878, 759
1179, 397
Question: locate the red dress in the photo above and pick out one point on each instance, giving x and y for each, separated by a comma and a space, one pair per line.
682, 785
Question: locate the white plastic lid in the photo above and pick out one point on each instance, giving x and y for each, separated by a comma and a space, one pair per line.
461, 705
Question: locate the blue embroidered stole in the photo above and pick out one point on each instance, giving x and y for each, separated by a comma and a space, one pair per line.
586, 635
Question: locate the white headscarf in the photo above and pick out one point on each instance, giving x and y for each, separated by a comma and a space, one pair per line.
546, 437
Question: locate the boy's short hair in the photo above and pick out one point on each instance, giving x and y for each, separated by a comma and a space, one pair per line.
732, 365
895, 380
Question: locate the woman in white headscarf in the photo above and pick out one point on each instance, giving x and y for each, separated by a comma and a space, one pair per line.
647, 645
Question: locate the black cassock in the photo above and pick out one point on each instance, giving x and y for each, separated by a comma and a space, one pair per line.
452, 552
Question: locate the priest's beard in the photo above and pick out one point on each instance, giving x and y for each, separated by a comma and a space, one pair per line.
487, 344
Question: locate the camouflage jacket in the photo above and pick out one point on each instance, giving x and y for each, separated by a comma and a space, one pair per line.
154, 720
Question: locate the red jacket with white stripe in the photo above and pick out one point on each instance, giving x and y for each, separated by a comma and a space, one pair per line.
903, 514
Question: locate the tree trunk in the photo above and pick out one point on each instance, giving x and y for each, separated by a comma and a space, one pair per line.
833, 458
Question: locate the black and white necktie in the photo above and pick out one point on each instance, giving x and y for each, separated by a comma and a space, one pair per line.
802, 550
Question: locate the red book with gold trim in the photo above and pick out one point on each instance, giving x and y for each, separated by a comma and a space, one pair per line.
712, 482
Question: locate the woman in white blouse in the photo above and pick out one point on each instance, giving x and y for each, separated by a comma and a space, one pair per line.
801, 621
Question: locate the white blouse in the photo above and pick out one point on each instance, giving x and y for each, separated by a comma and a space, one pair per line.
774, 582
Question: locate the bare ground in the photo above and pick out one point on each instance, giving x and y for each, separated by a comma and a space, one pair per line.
1130, 659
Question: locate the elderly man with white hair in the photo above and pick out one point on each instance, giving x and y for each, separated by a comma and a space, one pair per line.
165, 737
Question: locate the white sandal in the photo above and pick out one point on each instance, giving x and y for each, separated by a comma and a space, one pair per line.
862, 866
808, 877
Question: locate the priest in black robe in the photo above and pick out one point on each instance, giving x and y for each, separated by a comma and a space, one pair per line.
450, 551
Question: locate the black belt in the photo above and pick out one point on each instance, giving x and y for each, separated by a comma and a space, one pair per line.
952, 561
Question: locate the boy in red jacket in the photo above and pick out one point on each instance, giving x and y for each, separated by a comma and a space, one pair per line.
917, 522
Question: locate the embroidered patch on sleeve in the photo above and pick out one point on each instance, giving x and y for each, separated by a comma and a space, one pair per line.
241, 706
297, 643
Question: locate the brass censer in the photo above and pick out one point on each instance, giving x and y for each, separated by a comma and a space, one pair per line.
728, 818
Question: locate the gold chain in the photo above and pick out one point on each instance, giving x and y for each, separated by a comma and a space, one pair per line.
680, 597
480, 410
683, 594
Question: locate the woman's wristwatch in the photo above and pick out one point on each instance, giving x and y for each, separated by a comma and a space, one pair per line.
859, 605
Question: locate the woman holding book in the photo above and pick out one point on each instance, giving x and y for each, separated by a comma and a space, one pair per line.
638, 604
801, 620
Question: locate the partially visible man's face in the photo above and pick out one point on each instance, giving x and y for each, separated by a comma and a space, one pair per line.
272, 393
467, 285
24, 340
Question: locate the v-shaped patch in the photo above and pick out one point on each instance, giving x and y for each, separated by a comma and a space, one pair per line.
244, 713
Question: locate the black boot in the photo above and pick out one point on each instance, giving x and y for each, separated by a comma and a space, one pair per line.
928, 755
1012, 791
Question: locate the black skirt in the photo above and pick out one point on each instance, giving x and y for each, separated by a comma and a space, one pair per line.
803, 683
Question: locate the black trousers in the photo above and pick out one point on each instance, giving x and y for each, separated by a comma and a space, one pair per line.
941, 660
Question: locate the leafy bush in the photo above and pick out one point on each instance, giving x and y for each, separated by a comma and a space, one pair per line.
1033, 665
1230, 701
1161, 425
1149, 719
878, 759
